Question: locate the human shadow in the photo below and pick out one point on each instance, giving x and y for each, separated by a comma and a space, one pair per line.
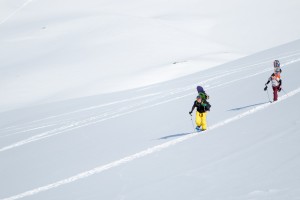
244, 107
172, 136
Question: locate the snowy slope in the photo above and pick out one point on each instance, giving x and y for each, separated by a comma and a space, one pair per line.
139, 144
54, 50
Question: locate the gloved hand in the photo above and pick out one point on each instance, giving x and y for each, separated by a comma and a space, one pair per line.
279, 89
265, 88
190, 113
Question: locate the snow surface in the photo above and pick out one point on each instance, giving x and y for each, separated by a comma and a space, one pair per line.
57, 50
142, 145
95, 98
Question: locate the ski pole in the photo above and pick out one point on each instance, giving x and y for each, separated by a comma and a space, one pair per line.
192, 123
268, 94
284, 92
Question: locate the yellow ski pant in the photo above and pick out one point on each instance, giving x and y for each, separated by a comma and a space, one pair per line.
201, 120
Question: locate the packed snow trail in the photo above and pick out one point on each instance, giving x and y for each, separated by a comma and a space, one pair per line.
147, 151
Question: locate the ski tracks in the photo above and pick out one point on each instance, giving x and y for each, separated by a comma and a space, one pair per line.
147, 102
15, 11
146, 152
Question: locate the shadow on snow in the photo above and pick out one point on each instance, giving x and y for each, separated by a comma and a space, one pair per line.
233, 109
244, 107
175, 135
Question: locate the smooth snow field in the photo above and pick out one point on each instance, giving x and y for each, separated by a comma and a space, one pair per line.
95, 100
54, 50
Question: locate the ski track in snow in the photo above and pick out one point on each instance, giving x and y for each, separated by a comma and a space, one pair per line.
30, 126
15, 12
106, 116
178, 90
27, 130
146, 152
133, 108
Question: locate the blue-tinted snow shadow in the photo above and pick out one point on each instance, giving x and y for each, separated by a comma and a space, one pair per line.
244, 107
172, 136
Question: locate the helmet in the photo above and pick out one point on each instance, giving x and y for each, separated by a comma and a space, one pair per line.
276, 63
198, 97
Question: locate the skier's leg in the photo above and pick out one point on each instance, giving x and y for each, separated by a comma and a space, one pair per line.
275, 90
198, 119
204, 126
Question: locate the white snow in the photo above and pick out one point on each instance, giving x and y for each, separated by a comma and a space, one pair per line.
145, 152
96, 95
56, 50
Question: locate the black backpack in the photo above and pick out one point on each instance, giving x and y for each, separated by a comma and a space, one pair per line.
208, 106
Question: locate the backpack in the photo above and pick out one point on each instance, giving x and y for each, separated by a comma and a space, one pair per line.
203, 96
208, 106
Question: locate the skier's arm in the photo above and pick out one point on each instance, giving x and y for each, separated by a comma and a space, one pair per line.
280, 82
193, 108
265, 89
268, 81
194, 105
